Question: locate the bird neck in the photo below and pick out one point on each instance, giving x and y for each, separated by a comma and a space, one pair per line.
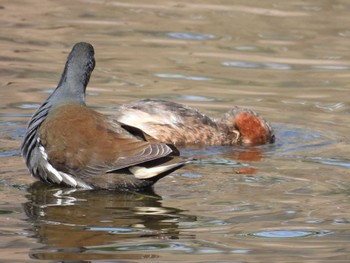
72, 85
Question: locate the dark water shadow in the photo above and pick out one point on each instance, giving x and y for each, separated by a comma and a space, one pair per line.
101, 225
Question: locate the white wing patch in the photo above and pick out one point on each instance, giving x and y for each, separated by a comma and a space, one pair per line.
61, 176
145, 173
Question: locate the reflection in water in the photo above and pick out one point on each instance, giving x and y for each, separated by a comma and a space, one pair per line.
227, 154
99, 224
238, 157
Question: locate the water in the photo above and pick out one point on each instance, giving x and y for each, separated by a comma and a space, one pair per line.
287, 202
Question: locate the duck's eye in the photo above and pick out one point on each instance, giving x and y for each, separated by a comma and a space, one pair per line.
272, 139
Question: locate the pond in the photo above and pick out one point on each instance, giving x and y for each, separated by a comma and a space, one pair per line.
284, 202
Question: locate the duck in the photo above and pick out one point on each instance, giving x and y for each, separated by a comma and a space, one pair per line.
180, 125
69, 144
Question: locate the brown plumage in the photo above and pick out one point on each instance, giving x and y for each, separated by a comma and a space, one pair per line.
180, 125
69, 144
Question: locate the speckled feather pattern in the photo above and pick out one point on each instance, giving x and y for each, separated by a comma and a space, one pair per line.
170, 122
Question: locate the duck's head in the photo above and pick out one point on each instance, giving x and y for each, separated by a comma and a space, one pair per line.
253, 130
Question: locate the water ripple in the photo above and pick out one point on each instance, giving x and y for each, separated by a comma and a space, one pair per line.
331, 67
120, 230
289, 233
294, 139
191, 98
332, 161
28, 106
149, 246
189, 36
191, 175
15, 115
181, 76
10, 153
257, 65
330, 107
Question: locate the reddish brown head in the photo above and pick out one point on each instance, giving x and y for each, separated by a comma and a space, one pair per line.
253, 129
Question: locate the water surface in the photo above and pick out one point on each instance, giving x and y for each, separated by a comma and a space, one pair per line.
286, 202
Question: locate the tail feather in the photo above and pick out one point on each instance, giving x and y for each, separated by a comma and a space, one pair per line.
142, 172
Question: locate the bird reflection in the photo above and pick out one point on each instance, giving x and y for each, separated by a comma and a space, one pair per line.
74, 224
229, 155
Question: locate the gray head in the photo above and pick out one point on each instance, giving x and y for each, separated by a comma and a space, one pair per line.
71, 88
76, 75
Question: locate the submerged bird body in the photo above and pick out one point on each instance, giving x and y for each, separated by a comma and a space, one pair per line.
170, 122
69, 144
180, 125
